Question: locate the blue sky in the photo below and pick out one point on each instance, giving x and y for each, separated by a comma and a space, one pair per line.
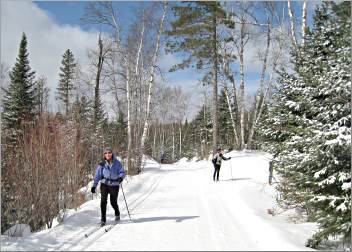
70, 12
53, 26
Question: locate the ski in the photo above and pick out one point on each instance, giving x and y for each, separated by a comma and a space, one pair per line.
107, 229
92, 231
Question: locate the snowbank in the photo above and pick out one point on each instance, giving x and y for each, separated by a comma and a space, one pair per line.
18, 230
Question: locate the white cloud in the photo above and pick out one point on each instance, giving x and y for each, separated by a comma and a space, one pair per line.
47, 40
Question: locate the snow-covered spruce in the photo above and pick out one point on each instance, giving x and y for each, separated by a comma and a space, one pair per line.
309, 124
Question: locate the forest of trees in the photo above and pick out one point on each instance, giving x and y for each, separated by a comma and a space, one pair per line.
300, 111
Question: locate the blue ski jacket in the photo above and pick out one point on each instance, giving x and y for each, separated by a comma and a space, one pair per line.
109, 175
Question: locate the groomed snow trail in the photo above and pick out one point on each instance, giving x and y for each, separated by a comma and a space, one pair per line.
179, 207
188, 211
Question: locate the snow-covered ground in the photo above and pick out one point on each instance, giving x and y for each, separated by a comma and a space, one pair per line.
179, 207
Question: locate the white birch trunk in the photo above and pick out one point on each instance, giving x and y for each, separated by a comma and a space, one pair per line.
235, 113
129, 135
304, 21
259, 97
242, 85
232, 118
215, 86
268, 88
139, 50
151, 81
265, 96
235, 100
292, 22
129, 100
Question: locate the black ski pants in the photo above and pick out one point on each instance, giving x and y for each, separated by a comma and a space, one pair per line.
114, 193
216, 172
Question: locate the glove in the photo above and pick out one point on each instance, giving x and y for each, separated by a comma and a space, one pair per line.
229, 158
92, 190
120, 179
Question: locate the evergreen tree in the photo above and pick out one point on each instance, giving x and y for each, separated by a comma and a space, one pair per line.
82, 111
18, 111
310, 125
225, 126
81, 115
195, 32
19, 98
66, 82
201, 132
99, 117
187, 148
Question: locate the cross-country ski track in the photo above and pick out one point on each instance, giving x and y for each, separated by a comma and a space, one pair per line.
179, 207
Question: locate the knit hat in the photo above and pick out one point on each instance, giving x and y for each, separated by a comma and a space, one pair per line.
108, 149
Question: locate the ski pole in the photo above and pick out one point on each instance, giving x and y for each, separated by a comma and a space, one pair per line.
231, 169
126, 203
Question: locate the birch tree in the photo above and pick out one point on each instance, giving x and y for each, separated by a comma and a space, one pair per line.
118, 63
292, 19
151, 82
259, 96
304, 21
239, 42
292, 24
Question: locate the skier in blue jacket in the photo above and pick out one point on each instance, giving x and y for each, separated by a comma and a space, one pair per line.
110, 173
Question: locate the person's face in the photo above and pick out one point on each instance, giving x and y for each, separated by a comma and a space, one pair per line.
108, 155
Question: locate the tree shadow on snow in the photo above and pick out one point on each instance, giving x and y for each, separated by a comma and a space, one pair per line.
234, 179
175, 218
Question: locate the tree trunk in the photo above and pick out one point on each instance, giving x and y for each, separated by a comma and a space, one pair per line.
232, 118
97, 83
292, 22
242, 85
259, 97
304, 21
130, 169
151, 81
235, 103
215, 86
133, 170
276, 60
